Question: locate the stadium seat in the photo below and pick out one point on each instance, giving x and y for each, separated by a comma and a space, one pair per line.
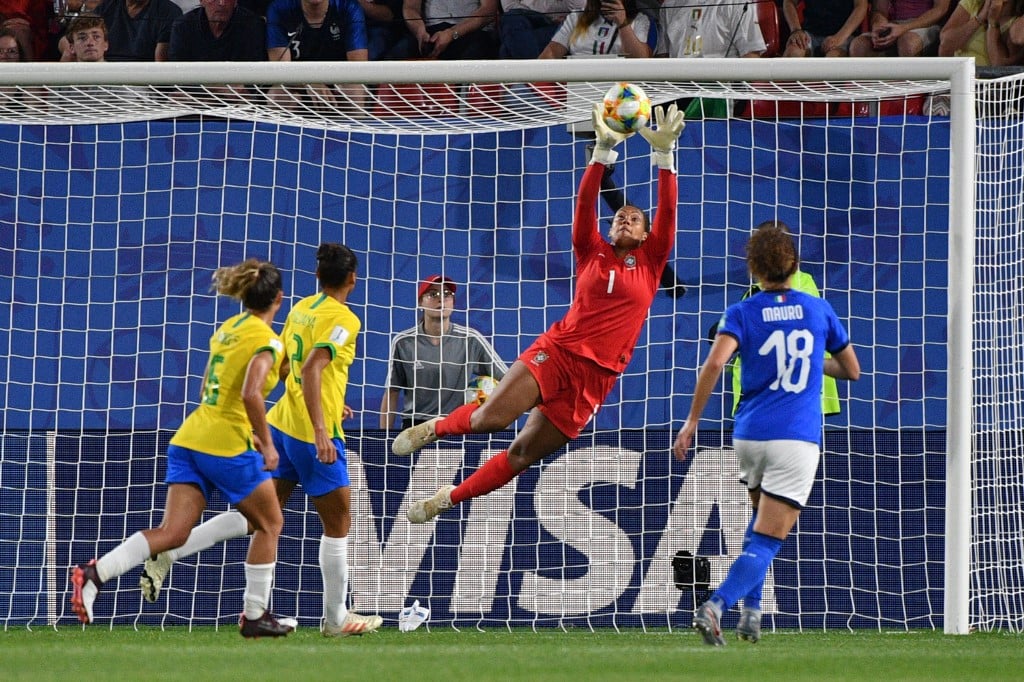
905, 106
485, 98
768, 20
409, 100
551, 93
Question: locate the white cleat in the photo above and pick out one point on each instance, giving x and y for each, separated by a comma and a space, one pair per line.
415, 437
424, 510
749, 627
354, 624
154, 572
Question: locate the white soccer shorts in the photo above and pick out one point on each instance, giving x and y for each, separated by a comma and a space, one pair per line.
784, 469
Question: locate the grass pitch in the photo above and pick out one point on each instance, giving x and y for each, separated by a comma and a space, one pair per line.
122, 653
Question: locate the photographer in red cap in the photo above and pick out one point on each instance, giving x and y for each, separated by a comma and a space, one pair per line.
431, 364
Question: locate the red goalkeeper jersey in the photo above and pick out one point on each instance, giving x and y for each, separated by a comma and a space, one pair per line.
613, 295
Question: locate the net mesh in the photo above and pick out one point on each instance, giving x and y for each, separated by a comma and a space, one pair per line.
120, 200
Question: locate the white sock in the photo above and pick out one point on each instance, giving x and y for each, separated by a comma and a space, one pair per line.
259, 578
334, 569
124, 557
221, 527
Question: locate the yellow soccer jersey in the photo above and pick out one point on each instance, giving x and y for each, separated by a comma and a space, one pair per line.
318, 321
220, 425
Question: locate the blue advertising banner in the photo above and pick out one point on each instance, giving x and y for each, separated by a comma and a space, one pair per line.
586, 539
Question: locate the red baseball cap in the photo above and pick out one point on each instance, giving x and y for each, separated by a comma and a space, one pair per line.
435, 279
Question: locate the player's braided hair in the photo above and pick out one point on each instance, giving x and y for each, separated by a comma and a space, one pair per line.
253, 282
771, 253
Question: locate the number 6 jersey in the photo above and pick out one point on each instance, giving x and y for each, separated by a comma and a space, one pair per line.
783, 336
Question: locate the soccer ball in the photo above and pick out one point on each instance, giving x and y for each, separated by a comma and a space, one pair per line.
627, 108
480, 390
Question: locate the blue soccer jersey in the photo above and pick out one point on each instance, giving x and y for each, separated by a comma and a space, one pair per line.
783, 337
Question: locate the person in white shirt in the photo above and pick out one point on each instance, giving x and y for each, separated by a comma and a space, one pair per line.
710, 28
604, 27
448, 29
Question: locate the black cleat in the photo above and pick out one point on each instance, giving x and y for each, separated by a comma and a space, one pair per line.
266, 625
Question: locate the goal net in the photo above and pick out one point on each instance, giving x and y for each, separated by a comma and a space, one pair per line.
123, 191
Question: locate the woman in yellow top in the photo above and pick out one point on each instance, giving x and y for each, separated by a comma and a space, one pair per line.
214, 450
981, 29
320, 336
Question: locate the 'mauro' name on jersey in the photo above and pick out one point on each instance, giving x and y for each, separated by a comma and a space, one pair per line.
785, 312
220, 425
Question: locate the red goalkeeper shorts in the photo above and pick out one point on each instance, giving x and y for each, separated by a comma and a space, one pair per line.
572, 388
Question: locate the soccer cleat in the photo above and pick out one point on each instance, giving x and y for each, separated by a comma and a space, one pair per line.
705, 619
415, 437
86, 583
354, 624
286, 621
749, 627
266, 625
154, 571
424, 510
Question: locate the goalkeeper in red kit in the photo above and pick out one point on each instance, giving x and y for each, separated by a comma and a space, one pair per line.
565, 376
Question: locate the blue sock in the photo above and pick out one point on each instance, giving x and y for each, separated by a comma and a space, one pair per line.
747, 571
752, 599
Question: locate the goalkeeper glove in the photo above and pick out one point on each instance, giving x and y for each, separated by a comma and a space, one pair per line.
606, 139
663, 139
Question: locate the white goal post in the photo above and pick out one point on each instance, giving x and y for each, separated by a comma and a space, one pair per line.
124, 187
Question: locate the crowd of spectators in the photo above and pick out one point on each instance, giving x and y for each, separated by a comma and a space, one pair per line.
293, 30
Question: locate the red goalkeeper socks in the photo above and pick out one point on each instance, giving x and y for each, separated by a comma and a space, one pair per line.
456, 423
493, 474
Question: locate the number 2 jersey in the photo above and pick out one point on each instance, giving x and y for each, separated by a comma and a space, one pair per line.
220, 425
318, 321
783, 337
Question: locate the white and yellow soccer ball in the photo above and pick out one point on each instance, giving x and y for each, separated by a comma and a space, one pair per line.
480, 389
627, 108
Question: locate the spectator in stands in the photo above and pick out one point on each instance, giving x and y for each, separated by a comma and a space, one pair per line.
87, 37
29, 21
433, 362
980, 29
904, 28
447, 29
218, 30
384, 26
827, 28
137, 30
315, 30
1015, 35
709, 28
610, 27
10, 48
527, 26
